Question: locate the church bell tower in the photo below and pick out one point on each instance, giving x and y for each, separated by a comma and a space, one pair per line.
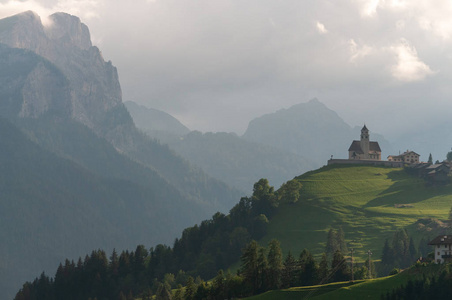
365, 141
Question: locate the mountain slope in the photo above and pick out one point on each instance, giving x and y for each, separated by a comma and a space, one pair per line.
51, 208
155, 122
238, 162
362, 200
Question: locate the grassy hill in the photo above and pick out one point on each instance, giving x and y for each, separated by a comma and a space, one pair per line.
362, 200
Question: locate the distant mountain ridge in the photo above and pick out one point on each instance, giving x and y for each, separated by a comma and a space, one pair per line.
224, 156
154, 121
308, 129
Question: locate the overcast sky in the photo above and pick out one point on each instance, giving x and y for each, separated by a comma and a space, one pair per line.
216, 64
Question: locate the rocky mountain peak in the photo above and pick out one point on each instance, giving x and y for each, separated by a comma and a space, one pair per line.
24, 30
68, 29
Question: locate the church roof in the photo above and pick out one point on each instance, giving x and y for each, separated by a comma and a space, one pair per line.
365, 128
356, 147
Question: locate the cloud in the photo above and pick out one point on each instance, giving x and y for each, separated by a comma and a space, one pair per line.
357, 51
85, 9
321, 28
409, 67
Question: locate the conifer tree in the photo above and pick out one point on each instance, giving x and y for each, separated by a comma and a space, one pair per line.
339, 267
190, 289
341, 243
262, 267
323, 269
289, 270
331, 243
275, 264
308, 268
249, 268
430, 159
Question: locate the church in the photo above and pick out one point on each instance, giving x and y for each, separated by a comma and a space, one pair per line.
364, 149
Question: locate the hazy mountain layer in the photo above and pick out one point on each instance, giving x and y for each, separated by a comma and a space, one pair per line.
155, 122
52, 208
308, 129
96, 101
238, 162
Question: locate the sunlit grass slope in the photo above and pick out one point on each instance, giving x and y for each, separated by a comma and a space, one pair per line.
362, 200
362, 289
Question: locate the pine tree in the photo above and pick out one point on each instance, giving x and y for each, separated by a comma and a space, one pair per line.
190, 289
430, 159
339, 268
262, 267
249, 268
412, 250
289, 270
218, 286
341, 243
308, 268
387, 256
331, 243
275, 264
323, 269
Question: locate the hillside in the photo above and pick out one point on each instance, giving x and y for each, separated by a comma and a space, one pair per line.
238, 162
52, 208
361, 199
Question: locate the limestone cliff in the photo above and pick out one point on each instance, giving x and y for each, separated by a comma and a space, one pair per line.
65, 41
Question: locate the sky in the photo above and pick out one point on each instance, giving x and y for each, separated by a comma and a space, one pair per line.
216, 65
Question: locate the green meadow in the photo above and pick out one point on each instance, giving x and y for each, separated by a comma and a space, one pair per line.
361, 199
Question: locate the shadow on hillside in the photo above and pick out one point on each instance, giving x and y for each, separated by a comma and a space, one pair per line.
407, 189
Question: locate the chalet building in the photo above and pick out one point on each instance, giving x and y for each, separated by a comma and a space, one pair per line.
364, 149
408, 157
443, 248
438, 172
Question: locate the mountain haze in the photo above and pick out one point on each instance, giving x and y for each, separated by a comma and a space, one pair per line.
96, 101
308, 129
89, 165
156, 123
225, 156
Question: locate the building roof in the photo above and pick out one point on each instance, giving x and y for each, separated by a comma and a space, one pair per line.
442, 240
365, 128
356, 147
408, 152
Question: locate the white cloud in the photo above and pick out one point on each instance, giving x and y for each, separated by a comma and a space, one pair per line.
369, 7
85, 9
321, 28
409, 67
357, 51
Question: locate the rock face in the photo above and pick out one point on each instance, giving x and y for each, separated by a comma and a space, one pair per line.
31, 86
96, 91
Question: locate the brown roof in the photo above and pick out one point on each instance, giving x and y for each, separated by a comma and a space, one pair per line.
442, 240
356, 147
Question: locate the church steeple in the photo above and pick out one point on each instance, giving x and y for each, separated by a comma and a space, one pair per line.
365, 140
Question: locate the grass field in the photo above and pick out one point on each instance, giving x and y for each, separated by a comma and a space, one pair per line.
363, 289
362, 200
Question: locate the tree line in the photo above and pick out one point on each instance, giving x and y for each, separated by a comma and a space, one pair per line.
136, 274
